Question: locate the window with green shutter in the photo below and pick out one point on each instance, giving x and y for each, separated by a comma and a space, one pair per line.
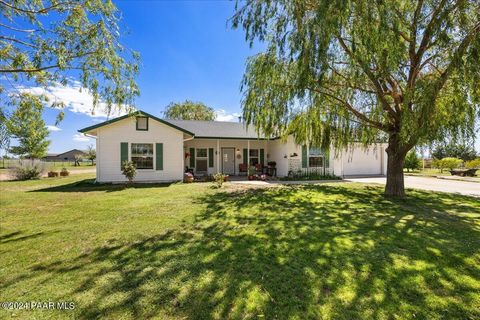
262, 157
245, 156
159, 156
123, 153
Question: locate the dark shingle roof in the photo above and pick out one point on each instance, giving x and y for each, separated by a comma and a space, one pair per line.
218, 129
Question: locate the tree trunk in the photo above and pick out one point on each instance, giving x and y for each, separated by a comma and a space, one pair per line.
395, 186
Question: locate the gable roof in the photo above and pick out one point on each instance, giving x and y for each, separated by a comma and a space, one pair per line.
196, 128
136, 113
218, 129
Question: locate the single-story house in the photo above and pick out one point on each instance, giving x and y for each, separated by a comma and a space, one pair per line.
64, 156
164, 149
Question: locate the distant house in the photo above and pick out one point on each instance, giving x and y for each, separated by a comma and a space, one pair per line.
65, 156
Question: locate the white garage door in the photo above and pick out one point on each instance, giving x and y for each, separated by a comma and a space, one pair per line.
362, 162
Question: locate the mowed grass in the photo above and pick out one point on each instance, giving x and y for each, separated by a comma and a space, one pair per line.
336, 251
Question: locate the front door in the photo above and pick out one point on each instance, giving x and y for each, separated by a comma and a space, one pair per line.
228, 160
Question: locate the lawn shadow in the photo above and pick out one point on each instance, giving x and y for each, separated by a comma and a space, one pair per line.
89, 185
297, 252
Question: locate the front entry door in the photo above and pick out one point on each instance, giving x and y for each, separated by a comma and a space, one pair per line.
228, 160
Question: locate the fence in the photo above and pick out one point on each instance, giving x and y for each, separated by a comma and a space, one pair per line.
11, 163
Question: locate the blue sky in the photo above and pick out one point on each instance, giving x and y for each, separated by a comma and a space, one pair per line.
188, 51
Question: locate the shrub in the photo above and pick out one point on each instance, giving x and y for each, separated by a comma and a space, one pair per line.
64, 172
219, 179
28, 170
129, 170
412, 161
448, 163
473, 164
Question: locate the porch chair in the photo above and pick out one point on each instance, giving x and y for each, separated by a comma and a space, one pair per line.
242, 168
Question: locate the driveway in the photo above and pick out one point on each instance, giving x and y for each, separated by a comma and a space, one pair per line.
453, 186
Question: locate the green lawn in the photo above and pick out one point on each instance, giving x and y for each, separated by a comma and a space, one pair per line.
432, 172
337, 251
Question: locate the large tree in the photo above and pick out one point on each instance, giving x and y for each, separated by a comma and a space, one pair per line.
455, 150
28, 128
189, 110
47, 42
337, 71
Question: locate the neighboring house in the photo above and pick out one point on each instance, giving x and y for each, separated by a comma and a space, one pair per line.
163, 149
65, 156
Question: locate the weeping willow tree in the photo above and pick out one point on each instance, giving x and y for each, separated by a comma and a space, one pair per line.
335, 71
46, 43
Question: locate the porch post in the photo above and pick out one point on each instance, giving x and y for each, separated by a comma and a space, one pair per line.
218, 156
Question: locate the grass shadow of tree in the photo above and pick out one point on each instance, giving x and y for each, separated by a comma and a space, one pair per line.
293, 252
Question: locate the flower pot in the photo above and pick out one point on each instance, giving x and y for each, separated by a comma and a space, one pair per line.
250, 177
188, 178
52, 174
225, 178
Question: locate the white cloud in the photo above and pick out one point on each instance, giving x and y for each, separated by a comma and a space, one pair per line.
76, 99
222, 115
78, 137
52, 128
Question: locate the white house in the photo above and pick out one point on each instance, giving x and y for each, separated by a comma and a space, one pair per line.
164, 149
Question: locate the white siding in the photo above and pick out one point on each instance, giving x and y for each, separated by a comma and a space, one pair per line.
108, 150
359, 160
281, 152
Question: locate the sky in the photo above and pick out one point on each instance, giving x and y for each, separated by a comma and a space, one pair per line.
188, 51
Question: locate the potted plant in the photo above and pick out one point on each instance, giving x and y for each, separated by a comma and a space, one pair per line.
64, 172
251, 172
188, 177
52, 174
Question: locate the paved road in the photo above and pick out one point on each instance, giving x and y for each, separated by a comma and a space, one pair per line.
425, 183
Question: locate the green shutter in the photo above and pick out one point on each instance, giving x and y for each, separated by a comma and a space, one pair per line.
327, 158
210, 157
123, 153
245, 156
304, 157
192, 157
262, 157
159, 156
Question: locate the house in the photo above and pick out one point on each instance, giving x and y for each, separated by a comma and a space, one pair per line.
65, 156
163, 149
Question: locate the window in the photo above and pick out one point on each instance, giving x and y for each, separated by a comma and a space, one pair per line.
315, 158
142, 123
254, 159
142, 155
201, 160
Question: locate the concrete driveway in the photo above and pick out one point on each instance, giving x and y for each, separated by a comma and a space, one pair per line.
453, 186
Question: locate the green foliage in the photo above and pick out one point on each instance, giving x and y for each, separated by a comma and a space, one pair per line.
91, 153
473, 164
4, 133
129, 170
338, 72
44, 41
28, 128
189, 110
219, 179
412, 161
447, 163
28, 170
454, 150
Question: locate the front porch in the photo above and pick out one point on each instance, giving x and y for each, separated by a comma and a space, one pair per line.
228, 156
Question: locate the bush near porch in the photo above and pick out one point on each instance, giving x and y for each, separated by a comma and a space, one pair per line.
338, 251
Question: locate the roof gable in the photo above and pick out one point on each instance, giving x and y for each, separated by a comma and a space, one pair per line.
133, 114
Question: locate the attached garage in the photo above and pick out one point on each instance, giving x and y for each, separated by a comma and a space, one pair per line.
361, 162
